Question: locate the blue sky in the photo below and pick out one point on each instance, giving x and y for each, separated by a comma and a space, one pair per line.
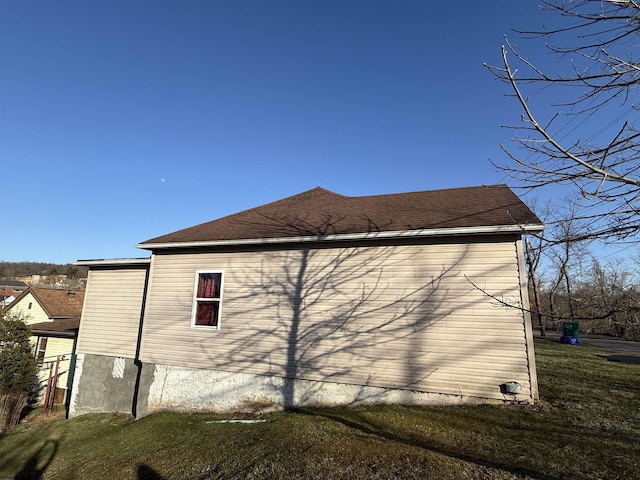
121, 121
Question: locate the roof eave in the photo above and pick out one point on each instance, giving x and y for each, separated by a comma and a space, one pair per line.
108, 262
429, 232
54, 333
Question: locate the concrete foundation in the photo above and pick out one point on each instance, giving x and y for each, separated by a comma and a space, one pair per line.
110, 384
187, 389
113, 384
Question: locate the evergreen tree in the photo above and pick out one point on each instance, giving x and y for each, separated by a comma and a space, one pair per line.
18, 369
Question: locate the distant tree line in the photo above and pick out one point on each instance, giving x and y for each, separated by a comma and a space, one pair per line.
604, 299
22, 269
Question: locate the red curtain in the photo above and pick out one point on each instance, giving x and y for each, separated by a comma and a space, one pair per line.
209, 285
207, 314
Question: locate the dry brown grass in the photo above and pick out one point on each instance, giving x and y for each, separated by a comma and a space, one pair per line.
586, 426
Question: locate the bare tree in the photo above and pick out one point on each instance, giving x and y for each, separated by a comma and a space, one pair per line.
564, 254
611, 297
533, 256
553, 260
595, 84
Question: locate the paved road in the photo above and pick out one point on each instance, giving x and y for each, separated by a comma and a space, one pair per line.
621, 350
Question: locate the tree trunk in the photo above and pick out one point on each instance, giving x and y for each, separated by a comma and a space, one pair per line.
569, 292
536, 291
11, 407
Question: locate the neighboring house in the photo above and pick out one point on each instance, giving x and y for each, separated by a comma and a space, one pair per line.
13, 284
317, 299
54, 317
9, 291
5, 300
8, 295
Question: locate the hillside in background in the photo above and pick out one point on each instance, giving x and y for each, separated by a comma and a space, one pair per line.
24, 269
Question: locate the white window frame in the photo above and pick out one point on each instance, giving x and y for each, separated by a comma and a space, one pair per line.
219, 299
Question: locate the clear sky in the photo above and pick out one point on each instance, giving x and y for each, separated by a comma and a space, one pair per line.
124, 120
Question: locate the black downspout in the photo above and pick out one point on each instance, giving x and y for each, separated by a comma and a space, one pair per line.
136, 360
71, 374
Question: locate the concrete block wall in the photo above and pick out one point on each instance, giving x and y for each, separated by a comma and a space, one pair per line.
110, 384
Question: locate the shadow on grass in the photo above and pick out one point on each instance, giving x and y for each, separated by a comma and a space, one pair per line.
366, 426
632, 359
36, 465
145, 472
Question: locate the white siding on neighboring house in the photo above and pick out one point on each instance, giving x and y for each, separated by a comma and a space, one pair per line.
35, 314
111, 312
403, 317
7, 301
57, 347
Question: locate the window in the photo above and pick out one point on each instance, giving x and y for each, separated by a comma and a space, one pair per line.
207, 299
29, 307
40, 349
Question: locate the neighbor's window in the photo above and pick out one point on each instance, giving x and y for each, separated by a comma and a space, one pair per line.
207, 299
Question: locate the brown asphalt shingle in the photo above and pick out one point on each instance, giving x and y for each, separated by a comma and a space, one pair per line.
59, 303
64, 328
319, 212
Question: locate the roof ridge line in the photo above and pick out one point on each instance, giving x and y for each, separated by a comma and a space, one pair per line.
422, 191
275, 202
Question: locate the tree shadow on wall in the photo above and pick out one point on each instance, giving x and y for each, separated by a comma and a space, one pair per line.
351, 313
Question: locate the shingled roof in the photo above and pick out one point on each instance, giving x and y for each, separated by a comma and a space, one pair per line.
58, 328
55, 302
320, 213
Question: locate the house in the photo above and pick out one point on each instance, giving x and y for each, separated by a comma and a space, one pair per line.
15, 285
54, 317
7, 295
317, 299
9, 291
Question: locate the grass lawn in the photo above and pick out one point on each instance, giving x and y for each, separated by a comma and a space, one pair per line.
586, 426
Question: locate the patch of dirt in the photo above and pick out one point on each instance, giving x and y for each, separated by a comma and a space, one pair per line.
35, 418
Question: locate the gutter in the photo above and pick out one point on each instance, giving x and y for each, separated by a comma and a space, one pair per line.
53, 333
428, 232
108, 262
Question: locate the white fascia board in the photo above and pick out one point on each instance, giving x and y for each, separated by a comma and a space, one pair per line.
430, 232
107, 262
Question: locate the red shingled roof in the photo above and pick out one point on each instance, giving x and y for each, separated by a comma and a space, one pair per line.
319, 212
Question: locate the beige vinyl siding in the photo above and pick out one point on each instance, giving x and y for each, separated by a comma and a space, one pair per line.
35, 314
62, 347
524, 295
394, 316
111, 312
